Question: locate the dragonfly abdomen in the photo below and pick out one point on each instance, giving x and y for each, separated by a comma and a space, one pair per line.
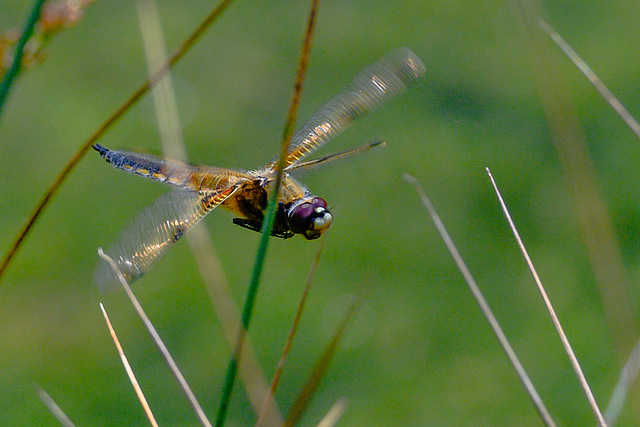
152, 167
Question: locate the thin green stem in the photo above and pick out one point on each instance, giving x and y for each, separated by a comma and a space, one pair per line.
14, 70
269, 217
247, 311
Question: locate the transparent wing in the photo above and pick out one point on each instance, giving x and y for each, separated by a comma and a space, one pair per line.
379, 82
155, 229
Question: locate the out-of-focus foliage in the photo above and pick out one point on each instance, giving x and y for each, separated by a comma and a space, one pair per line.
419, 353
54, 17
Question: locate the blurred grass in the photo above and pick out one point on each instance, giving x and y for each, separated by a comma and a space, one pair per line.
428, 357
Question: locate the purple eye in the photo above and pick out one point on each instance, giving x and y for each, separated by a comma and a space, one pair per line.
301, 217
319, 202
310, 218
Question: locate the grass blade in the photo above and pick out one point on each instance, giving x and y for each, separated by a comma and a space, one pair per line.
158, 341
54, 408
304, 397
164, 99
268, 219
14, 70
98, 133
292, 332
482, 303
556, 322
127, 368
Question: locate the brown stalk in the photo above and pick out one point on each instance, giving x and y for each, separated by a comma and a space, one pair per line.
292, 332
304, 397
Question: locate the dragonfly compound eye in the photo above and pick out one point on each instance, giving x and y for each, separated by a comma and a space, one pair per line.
311, 218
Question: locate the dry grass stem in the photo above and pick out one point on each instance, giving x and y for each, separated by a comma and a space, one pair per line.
301, 403
158, 341
127, 368
164, 99
581, 179
556, 322
55, 410
592, 77
632, 365
484, 306
228, 314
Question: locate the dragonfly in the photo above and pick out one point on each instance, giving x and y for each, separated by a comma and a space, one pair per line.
245, 193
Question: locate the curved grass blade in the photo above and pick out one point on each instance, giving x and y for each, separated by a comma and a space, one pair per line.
98, 133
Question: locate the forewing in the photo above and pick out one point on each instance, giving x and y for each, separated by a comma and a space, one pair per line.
156, 229
379, 82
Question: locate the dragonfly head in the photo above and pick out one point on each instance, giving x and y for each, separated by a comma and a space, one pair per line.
309, 217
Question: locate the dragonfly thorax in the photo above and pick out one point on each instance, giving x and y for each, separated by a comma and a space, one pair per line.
249, 201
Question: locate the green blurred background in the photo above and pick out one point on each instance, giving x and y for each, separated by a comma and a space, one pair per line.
420, 352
